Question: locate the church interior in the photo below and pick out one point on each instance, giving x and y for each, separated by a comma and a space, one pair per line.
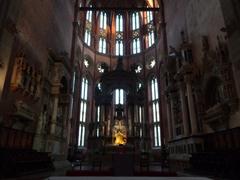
119, 88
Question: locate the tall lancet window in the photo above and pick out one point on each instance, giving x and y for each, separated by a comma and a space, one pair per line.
89, 16
98, 118
102, 43
102, 47
155, 113
103, 20
135, 21
140, 120
119, 96
87, 35
119, 35
136, 48
119, 23
119, 47
149, 15
150, 38
83, 112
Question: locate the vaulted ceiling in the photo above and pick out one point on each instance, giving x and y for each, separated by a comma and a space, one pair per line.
124, 3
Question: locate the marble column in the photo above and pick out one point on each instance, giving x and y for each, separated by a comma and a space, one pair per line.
192, 111
184, 109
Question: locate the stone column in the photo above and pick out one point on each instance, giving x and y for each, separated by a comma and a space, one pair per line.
172, 116
231, 15
65, 119
102, 113
70, 115
136, 120
135, 114
143, 122
38, 139
102, 120
40, 123
169, 119
184, 109
54, 115
108, 127
109, 119
192, 111
130, 120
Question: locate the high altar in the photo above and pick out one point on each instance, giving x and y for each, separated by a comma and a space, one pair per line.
119, 122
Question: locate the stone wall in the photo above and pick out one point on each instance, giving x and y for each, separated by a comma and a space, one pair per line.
205, 27
40, 34
196, 19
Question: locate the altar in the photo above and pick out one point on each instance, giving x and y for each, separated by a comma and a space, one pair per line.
119, 125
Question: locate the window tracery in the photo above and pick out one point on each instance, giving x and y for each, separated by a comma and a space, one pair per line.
119, 35
83, 112
155, 112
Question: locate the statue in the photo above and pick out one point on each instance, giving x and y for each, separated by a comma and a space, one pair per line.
119, 133
120, 138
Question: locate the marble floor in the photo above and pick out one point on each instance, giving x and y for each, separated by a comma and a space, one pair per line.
60, 171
